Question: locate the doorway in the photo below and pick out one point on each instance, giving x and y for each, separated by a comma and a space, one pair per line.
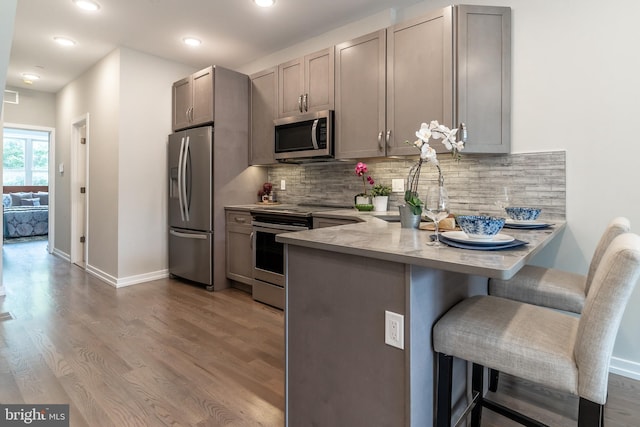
79, 190
28, 156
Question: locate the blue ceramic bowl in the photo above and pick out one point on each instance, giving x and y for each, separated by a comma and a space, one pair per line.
480, 227
522, 214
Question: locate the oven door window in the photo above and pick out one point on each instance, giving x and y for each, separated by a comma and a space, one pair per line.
269, 253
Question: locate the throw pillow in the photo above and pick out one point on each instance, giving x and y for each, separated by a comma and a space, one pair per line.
31, 202
44, 197
6, 200
17, 197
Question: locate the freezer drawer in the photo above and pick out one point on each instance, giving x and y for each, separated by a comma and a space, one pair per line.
191, 255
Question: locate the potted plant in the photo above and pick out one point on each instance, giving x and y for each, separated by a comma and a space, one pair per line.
380, 193
363, 200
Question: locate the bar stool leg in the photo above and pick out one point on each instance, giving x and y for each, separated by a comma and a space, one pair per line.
493, 380
443, 397
477, 386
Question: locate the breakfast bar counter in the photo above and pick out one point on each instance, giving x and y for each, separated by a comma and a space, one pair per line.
340, 282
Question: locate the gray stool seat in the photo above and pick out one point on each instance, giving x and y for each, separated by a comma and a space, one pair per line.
548, 347
554, 288
520, 339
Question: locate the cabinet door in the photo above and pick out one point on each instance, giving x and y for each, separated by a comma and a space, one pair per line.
419, 78
238, 245
181, 105
319, 81
290, 88
264, 92
202, 83
484, 77
360, 97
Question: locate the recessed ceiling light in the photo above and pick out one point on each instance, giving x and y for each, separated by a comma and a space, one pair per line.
191, 41
265, 3
64, 41
29, 78
87, 4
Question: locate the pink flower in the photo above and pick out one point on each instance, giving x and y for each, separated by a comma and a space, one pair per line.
361, 168
370, 180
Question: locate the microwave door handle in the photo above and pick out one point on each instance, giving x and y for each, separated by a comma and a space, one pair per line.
314, 131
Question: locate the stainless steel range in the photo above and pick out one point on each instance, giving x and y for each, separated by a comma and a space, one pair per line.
268, 255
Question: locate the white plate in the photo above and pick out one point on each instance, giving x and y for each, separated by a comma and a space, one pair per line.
460, 236
522, 222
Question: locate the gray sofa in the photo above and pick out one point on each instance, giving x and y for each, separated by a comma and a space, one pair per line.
25, 214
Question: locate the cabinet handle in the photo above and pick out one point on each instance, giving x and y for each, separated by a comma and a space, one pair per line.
241, 219
462, 132
388, 137
300, 103
380, 146
186, 113
305, 102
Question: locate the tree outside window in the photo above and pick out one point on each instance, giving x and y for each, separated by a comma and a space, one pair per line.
26, 157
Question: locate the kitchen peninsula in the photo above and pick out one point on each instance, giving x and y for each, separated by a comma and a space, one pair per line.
340, 282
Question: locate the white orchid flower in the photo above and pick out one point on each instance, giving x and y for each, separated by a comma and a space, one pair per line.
429, 154
458, 145
424, 133
433, 124
418, 143
449, 138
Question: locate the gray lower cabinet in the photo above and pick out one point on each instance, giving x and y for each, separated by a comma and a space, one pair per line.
239, 253
451, 65
264, 105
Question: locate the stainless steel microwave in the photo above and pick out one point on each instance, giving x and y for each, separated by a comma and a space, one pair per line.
306, 136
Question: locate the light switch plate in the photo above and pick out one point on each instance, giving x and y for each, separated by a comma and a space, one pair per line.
397, 185
394, 329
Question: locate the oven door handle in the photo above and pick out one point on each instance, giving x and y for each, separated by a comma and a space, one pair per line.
266, 227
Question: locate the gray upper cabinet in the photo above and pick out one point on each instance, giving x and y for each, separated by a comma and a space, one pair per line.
451, 65
419, 78
483, 78
193, 100
306, 84
264, 95
360, 97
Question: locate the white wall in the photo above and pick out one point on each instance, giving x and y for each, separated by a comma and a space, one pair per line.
145, 123
575, 88
128, 97
35, 108
7, 15
95, 92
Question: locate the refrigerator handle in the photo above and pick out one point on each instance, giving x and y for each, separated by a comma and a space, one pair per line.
188, 235
184, 180
181, 179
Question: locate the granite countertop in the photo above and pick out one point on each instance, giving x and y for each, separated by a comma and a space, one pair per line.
379, 239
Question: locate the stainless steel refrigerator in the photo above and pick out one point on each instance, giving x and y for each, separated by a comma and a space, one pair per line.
191, 204
209, 169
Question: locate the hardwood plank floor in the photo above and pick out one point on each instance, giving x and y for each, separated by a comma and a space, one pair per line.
168, 353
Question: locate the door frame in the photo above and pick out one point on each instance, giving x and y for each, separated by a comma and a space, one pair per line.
78, 252
52, 175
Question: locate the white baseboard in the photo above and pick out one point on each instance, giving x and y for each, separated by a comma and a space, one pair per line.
626, 368
127, 281
60, 254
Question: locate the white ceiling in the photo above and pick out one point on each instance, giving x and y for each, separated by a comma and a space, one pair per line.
234, 32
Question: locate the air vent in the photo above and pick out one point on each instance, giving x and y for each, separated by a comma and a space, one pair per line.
11, 97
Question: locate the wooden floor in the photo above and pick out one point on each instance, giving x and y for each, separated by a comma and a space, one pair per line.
168, 353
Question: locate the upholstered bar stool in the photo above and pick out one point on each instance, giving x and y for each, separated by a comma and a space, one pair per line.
554, 288
548, 287
548, 347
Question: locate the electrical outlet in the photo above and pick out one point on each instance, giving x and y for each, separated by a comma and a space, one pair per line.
394, 329
397, 185
283, 185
